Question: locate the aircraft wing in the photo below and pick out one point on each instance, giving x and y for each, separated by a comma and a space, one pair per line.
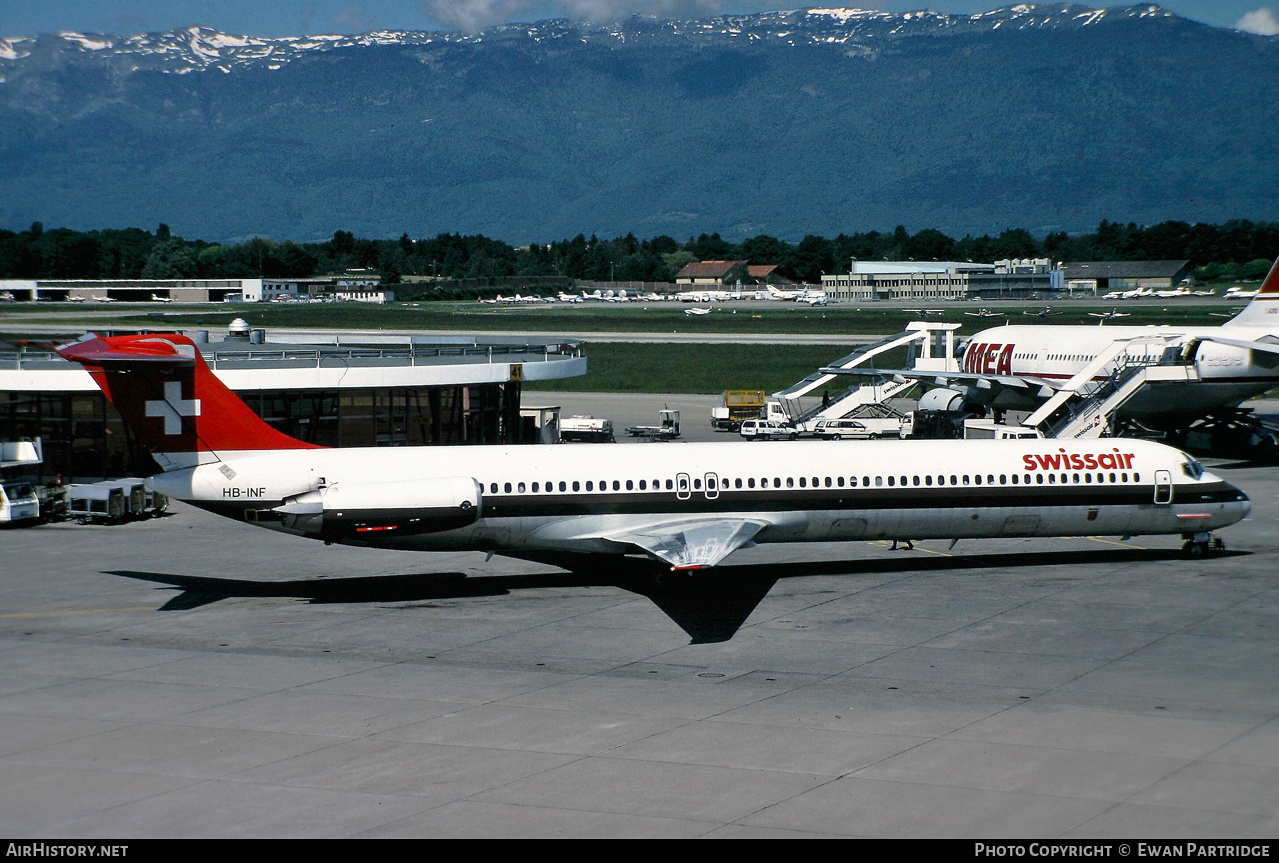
692, 543
1249, 344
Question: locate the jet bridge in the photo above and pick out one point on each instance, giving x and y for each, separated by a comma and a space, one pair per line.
1085, 406
931, 347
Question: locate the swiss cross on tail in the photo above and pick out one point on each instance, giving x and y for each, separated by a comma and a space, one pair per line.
163, 377
173, 408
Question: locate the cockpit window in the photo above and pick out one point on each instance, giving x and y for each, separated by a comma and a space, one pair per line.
1192, 468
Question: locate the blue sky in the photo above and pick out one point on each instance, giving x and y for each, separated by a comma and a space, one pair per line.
296, 17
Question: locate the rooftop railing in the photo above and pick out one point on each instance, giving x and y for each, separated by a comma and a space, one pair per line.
21, 360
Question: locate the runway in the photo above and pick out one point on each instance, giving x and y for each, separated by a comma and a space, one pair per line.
191, 677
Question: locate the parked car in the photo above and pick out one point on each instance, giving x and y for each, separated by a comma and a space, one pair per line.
767, 430
862, 429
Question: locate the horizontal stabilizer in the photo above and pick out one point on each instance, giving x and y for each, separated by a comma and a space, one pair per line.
94, 350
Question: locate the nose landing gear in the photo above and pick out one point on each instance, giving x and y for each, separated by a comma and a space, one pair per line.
1202, 544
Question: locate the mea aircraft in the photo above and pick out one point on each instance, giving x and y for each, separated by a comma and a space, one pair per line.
1010, 366
687, 506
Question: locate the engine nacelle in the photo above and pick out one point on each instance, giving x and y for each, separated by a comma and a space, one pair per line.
379, 510
942, 399
1215, 360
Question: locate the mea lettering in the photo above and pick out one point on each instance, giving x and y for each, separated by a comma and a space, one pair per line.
1061, 460
989, 359
244, 492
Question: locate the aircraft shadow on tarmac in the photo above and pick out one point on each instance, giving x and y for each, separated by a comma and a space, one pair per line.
710, 606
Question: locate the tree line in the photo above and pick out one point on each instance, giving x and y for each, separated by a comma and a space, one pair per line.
1237, 249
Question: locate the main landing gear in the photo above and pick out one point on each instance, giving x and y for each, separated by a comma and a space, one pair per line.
1202, 545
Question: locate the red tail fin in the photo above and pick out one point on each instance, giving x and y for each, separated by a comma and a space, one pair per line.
1271, 284
1264, 308
171, 400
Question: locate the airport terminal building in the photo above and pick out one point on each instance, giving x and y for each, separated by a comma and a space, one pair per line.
944, 280
334, 390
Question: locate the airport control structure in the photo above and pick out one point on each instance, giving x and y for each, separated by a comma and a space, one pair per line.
339, 390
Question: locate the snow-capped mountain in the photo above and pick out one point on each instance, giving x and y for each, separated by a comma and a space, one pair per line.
198, 48
819, 120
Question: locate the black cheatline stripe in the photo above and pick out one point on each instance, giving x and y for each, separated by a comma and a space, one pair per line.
790, 500
797, 499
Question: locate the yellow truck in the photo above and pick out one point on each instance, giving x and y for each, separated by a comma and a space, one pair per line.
738, 405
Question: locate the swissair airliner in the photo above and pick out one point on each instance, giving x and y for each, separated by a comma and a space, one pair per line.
1234, 362
686, 506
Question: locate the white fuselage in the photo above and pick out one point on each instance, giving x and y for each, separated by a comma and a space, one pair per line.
1227, 374
574, 497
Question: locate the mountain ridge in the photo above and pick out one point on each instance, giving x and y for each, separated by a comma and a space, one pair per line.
1050, 117
202, 47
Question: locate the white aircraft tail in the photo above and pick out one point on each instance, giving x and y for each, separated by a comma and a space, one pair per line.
1264, 308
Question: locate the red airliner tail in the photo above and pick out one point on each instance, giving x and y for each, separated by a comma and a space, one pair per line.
169, 398
1264, 308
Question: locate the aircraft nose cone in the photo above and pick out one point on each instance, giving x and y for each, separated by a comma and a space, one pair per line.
1243, 504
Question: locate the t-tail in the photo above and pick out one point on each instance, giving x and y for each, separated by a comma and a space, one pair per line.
1263, 310
172, 401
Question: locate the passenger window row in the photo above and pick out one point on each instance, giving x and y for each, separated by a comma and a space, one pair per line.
578, 485
1004, 479
1040, 478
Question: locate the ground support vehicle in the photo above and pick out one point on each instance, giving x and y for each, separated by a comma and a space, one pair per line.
102, 502
738, 405
869, 421
18, 502
55, 502
135, 496
767, 430
975, 429
586, 429
666, 429
145, 502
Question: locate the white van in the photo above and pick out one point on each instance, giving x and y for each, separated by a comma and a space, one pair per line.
18, 502
986, 430
767, 430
